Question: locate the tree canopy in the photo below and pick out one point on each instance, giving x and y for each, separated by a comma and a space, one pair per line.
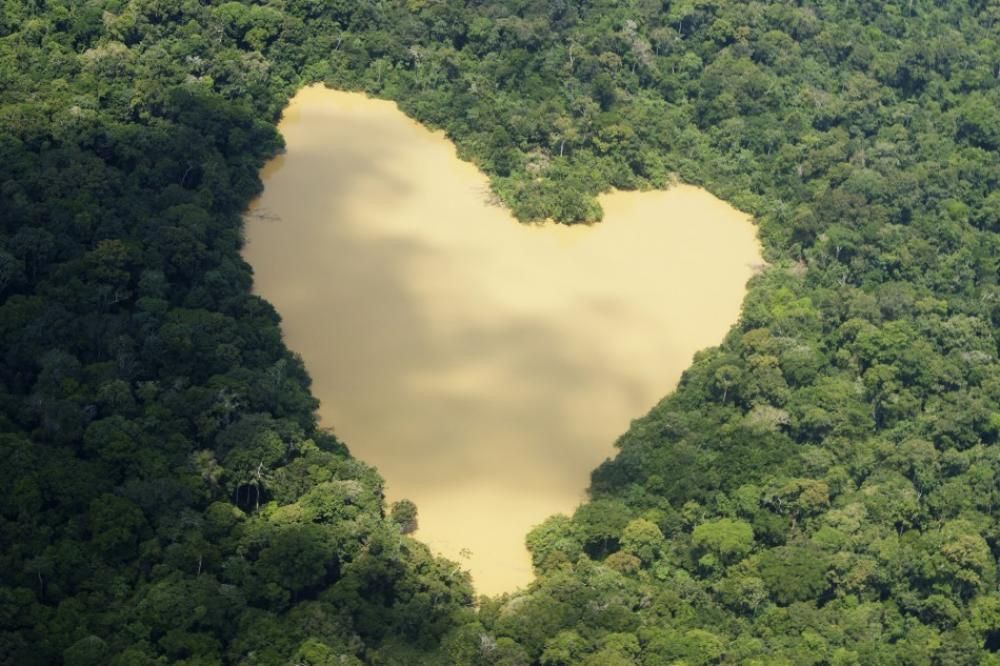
820, 489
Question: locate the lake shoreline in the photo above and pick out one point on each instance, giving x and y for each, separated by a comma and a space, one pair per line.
484, 366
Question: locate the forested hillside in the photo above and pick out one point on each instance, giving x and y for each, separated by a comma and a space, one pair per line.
821, 489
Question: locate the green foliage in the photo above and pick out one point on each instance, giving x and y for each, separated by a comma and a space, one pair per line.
729, 540
821, 488
794, 573
556, 541
404, 514
643, 539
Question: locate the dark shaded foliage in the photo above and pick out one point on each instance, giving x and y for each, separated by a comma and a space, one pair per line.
821, 488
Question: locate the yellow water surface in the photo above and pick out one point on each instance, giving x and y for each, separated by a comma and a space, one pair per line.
485, 367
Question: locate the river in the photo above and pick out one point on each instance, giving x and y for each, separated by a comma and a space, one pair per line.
485, 367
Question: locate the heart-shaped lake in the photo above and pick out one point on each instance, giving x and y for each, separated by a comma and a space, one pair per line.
484, 366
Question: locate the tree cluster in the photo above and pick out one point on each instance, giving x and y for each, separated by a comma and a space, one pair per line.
820, 489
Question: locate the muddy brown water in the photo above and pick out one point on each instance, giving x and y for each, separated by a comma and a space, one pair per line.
485, 367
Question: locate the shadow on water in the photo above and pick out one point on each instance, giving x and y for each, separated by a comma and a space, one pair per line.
353, 291
484, 367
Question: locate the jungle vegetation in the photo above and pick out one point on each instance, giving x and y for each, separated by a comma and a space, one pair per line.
820, 489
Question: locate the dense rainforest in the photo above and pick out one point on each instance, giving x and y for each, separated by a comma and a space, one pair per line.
820, 489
